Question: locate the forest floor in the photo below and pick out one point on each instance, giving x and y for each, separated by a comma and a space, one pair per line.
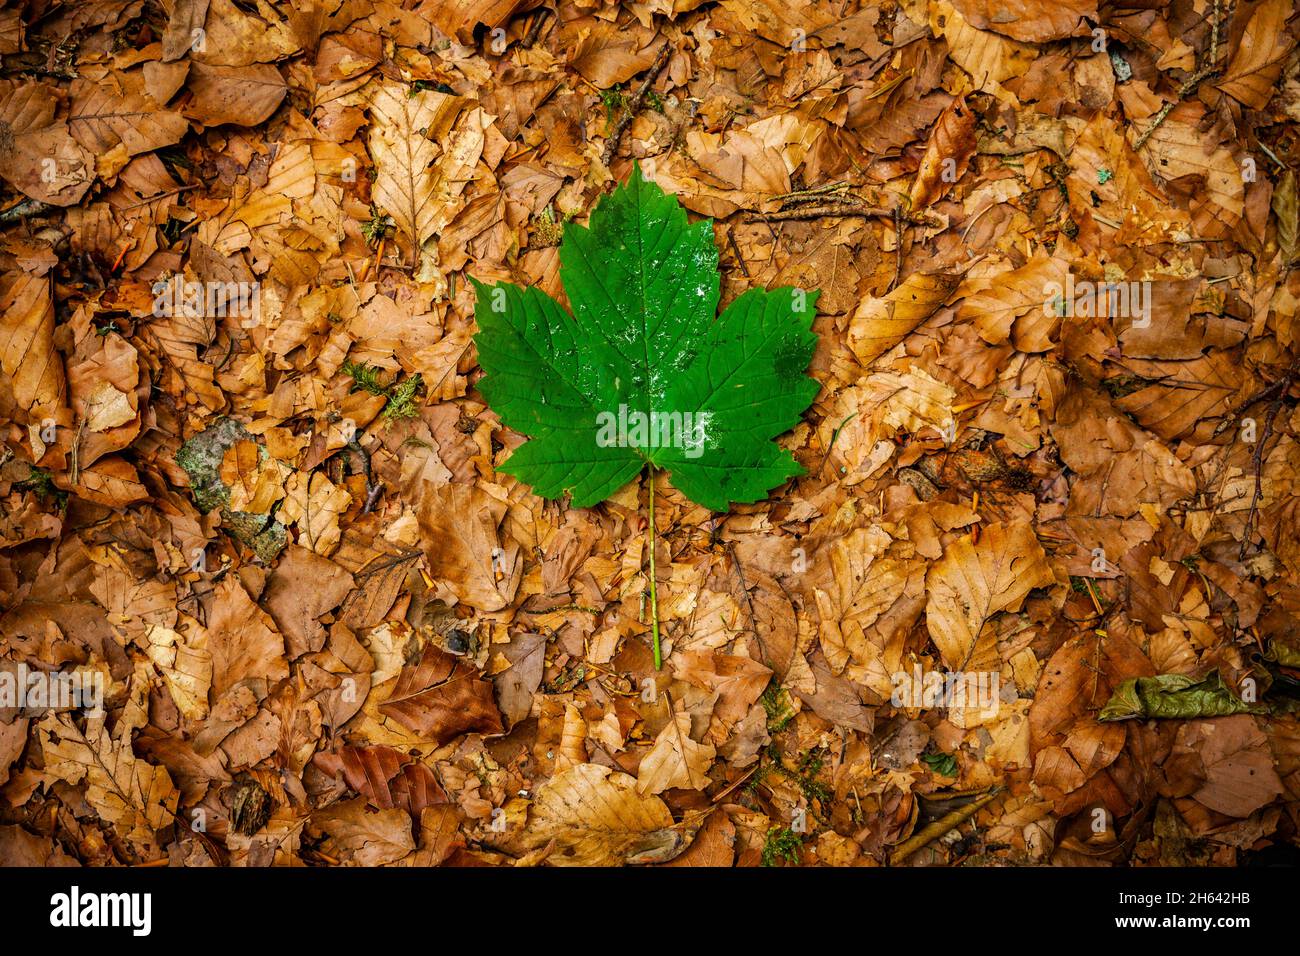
1034, 600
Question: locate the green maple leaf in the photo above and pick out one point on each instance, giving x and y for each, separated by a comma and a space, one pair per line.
645, 372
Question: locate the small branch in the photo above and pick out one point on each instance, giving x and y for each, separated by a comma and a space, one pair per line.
1210, 68
836, 209
1237, 412
1257, 459
735, 249
939, 827
898, 248
634, 105
815, 193
28, 207
535, 28
817, 212
166, 195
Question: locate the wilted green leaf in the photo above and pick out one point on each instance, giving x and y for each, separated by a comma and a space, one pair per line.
1175, 696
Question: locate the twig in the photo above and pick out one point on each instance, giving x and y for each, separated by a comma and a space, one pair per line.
817, 212
898, 248
75, 475
634, 105
373, 488
28, 207
166, 195
1194, 81
816, 193
1257, 459
535, 28
939, 827
731, 238
1236, 413
836, 209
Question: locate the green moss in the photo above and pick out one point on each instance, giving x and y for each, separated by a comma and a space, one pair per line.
809, 767
365, 378
403, 398
266, 536
402, 395
41, 482
613, 99
378, 226
780, 708
782, 844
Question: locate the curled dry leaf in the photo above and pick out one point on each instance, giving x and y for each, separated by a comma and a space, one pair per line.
463, 547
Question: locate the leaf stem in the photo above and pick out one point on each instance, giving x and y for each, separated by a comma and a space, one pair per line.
654, 599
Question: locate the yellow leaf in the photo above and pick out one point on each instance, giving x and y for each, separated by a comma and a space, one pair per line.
595, 817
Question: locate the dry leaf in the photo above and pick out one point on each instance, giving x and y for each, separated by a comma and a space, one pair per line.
595, 817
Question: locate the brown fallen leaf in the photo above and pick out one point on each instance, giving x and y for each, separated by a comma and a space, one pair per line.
1237, 761
358, 835
879, 324
241, 96
516, 685
1034, 21
27, 354
404, 151
463, 547
303, 587
108, 116
242, 640
38, 155
973, 582
186, 668
948, 155
1252, 72
675, 760
593, 816
738, 680
138, 799
442, 697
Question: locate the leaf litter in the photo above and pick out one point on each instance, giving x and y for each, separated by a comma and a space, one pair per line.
1013, 579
